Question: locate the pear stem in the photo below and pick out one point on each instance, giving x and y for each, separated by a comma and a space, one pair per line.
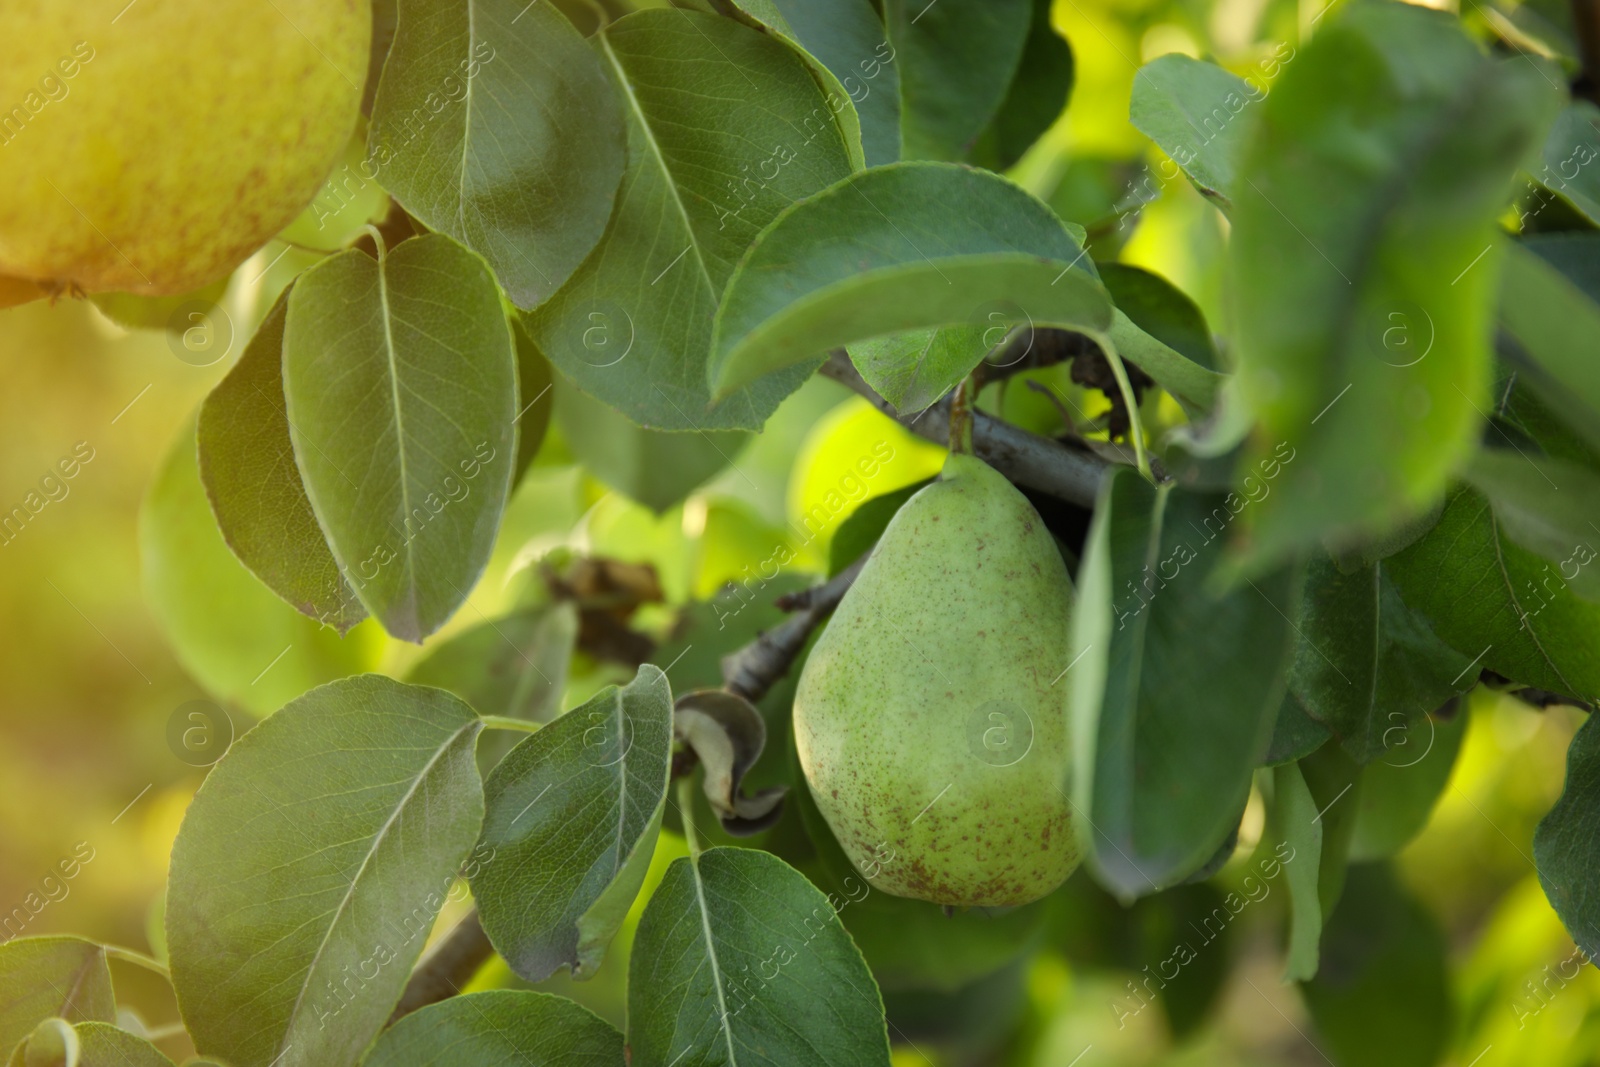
686, 809
961, 414
1135, 428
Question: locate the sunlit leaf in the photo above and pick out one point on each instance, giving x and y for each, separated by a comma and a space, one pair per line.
401, 388
1196, 112
1294, 823
46, 977
572, 815
1365, 341
494, 123
321, 847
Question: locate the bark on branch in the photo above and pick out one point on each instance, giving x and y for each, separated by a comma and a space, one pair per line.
447, 966
756, 667
1039, 463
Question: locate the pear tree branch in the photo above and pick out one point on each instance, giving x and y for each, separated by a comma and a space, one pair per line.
1051, 467
756, 667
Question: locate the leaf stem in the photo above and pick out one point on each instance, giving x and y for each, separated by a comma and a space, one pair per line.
686, 809
506, 722
377, 240
138, 959
1135, 427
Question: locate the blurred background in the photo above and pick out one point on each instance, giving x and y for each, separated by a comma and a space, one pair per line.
112, 631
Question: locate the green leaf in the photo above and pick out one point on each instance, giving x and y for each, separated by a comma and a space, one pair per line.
739, 959
1295, 823
1174, 690
633, 326
494, 124
1567, 158
98, 1045
657, 469
836, 270
956, 64
1166, 313
497, 1029
856, 535
1197, 113
45, 977
230, 632
402, 391
310, 868
247, 465
1295, 733
1399, 791
914, 370
847, 40
1364, 234
1366, 666
1490, 598
1036, 97
1566, 847
1382, 996
1549, 506
1548, 311
572, 815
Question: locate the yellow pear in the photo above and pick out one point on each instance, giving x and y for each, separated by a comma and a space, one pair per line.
927, 721
149, 147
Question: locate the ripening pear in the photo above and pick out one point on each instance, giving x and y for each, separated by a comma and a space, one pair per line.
149, 147
930, 734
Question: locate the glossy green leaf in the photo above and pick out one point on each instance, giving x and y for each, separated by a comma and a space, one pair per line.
1198, 114
494, 124
46, 977
1549, 506
500, 1028
658, 469
1505, 607
237, 639
1365, 665
1294, 822
914, 370
1567, 160
1382, 996
836, 270
726, 127
320, 848
847, 40
1398, 792
572, 815
739, 959
247, 465
1166, 313
956, 64
1036, 97
98, 1045
1566, 847
402, 391
1174, 690
1365, 341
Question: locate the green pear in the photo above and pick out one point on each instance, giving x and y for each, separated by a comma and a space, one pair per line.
926, 719
149, 147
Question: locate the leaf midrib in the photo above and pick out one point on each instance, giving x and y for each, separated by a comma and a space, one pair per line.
377, 842
661, 160
393, 359
711, 958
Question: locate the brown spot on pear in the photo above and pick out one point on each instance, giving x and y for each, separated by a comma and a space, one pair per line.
937, 758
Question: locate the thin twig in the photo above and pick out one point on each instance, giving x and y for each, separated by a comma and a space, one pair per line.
756, 667
1050, 467
447, 966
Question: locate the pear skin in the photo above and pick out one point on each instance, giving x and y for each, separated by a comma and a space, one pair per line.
150, 147
931, 736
